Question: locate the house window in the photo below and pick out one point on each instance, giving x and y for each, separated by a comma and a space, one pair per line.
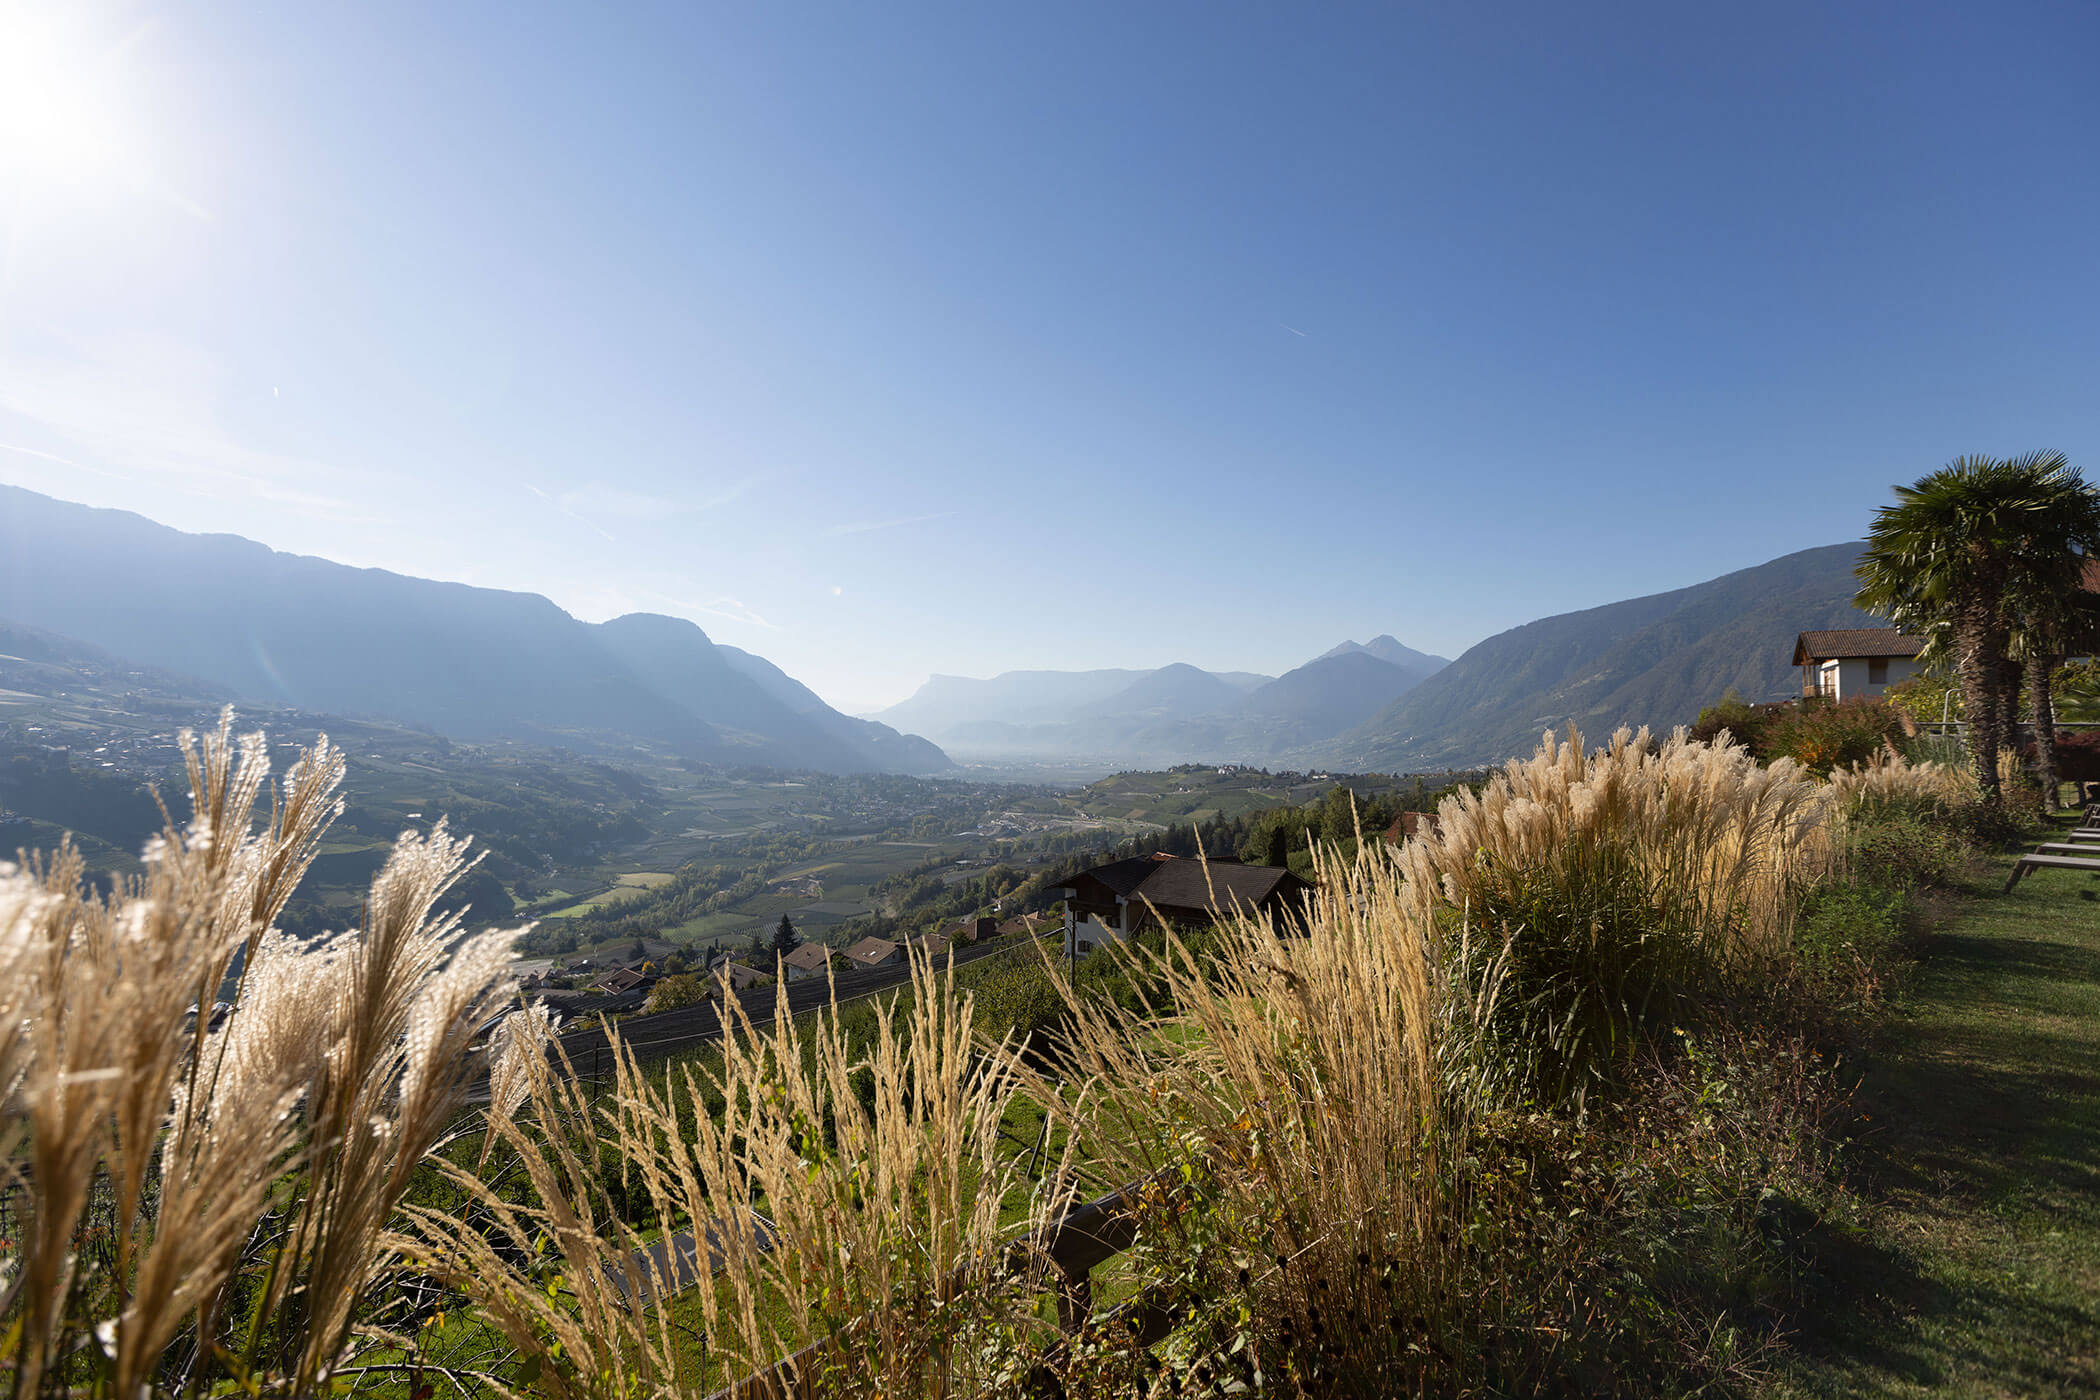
1086, 945
1877, 670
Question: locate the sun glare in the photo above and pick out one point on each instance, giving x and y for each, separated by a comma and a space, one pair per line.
61, 105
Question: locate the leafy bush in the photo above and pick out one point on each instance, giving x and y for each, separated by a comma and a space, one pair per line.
1847, 937
1591, 964
1738, 717
1018, 1001
1906, 849
1821, 736
679, 989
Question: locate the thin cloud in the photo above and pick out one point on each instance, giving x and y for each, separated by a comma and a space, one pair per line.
143, 405
33, 452
1293, 330
727, 608
863, 527
732, 610
561, 503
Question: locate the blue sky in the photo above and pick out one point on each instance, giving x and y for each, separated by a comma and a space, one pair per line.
884, 340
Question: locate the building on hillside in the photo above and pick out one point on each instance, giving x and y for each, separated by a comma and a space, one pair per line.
1410, 824
875, 952
621, 980
806, 960
1110, 902
964, 932
935, 946
1850, 662
737, 977
1034, 925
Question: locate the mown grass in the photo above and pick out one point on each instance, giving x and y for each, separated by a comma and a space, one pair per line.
1975, 1267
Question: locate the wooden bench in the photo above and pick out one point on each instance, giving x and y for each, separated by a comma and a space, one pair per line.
2025, 864
2070, 848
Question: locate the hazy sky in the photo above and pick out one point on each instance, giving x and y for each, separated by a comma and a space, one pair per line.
887, 339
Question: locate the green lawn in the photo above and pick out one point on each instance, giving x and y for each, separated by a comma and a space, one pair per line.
1974, 1267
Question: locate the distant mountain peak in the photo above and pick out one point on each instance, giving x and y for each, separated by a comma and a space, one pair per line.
1393, 651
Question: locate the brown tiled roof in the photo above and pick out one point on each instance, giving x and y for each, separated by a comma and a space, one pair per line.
1854, 641
808, 957
872, 951
1123, 876
1191, 884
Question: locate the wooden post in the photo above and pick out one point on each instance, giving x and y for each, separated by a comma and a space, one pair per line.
1075, 1300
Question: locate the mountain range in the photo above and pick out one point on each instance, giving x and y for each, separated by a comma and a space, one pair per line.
477, 663
1381, 706
473, 663
1655, 660
1177, 713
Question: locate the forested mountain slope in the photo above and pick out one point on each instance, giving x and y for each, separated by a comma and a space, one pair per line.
1655, 660
291, 630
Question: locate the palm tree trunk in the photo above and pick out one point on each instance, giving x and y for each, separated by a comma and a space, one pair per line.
2041, 699
1979, 692
2009, 737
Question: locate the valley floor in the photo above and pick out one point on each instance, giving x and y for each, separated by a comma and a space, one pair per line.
1975, 1269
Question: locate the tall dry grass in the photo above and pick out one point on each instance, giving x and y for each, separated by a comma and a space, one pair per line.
1292, 1096
1890, 782
1304, 1100
1619, 889
861, 1199
171, 1161
1719, 845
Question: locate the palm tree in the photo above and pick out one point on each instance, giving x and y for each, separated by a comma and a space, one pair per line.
2051, 615
1969, 548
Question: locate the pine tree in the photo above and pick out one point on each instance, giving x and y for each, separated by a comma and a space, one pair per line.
785, 938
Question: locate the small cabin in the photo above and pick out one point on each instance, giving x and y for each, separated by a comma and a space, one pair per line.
806, 960
875, 952
1854, 662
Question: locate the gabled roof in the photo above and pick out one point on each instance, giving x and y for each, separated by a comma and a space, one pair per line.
741, 975
808, 957
1182, 883
1841, 642
1122, 876
872, 950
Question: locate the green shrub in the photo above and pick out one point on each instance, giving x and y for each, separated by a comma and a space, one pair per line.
1019, 1001
679, 989
1747, 722
1905, 849
1821, 736
1846, 941
1594, 964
